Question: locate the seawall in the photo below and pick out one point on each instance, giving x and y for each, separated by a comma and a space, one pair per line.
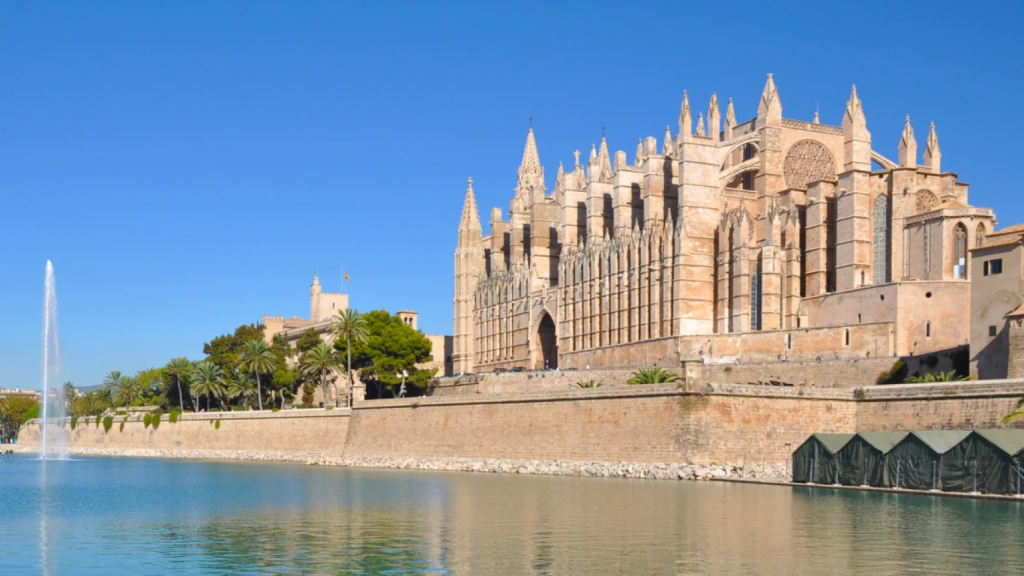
662, 423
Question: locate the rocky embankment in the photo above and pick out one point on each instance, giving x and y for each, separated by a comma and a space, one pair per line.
657, 471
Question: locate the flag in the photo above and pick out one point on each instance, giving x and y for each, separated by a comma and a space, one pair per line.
347, 277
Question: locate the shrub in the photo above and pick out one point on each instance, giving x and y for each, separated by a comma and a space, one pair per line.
98, 419
950, 376
108, 422
173, 416
122, 424
588, 384
655, 375
217, 424
275, 409
893, 375
154, 418
860, 394
1015, 415
74, 421
146, 421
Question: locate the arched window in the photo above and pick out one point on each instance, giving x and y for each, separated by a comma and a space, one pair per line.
960, 252
979, 235
880, 242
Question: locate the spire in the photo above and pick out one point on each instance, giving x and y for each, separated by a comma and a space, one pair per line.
531, 173
908, 146
856, 138
855, 111
639, 152
700, 125
932, 154
770, 108
714, 117
470, 221
593, 152
560, 179
816, 119
730, 120
685, 117
604, 161
667, 149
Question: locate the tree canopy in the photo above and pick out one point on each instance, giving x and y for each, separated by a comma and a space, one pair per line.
390, 347
224, 350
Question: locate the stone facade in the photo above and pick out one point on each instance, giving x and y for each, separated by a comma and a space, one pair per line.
997, 296
769, 225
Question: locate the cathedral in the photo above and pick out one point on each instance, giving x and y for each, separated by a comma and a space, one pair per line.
730, 242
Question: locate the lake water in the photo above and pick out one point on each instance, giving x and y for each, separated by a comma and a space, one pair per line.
155, 517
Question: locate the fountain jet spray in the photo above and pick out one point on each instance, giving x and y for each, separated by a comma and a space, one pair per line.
53, 441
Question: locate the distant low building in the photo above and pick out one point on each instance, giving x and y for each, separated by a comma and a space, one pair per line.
19, 393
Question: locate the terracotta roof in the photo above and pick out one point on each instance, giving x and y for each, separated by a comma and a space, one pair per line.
1016, 228
1008, 240
950, 204
1018, 312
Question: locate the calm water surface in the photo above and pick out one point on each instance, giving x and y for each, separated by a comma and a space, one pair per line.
155, 517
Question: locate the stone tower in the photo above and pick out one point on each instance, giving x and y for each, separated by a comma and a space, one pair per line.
469, 268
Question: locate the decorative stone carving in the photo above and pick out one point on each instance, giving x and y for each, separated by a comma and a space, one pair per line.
806, 162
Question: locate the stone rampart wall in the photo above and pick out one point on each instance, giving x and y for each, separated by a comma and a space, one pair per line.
289, 430
735, 423
652, 423
797, 344
953, 406
533, 381
656, 351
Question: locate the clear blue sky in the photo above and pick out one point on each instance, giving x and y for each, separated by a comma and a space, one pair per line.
187, 165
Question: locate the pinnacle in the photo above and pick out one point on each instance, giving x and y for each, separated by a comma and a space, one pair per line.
770, 103
470, 215
531, 173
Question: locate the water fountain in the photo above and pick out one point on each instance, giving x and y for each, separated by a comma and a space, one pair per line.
53, 437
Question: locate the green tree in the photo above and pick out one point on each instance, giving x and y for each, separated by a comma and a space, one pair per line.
69, 393
112, 380
350, 326
284, 382
178, 368
257, 357
224, 350
319, 363
128, 391
242, 388
207, 379
15, 411
390, 349
307, 341
654, 375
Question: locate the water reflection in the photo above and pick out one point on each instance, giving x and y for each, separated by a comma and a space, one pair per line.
172, 517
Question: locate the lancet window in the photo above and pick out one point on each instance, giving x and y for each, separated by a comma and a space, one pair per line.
880, 242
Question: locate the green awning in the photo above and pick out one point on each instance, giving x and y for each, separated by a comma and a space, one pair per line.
833, 442
883, 441
940, 441
1009, 441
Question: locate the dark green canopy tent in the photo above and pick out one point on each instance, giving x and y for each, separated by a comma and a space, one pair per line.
815, 460
914, 463
988, 461
862, 459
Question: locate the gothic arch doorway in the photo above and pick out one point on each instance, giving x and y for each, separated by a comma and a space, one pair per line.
546, 343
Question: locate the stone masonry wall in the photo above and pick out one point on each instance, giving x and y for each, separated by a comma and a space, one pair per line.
737, 423
653, 423
289, 430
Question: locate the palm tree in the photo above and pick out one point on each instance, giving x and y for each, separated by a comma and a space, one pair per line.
242, 387
654, 375
128, 390
351, 325
318, 363
937, 377
207, 380
256, 356
179, 367
112, 381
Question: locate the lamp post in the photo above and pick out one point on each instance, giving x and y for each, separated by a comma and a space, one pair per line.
403, 375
